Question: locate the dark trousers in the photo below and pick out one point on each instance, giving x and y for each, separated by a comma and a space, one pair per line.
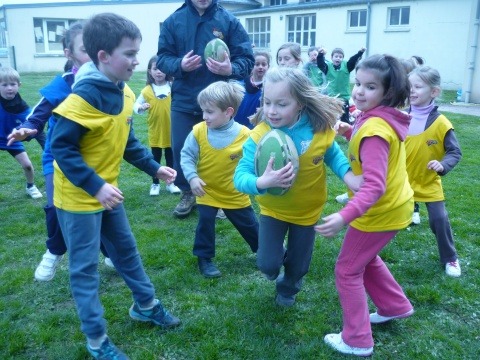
244, 220
440, 226
182, 124
157, 156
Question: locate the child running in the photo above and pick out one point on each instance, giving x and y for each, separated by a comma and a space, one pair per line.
52, 95
381, 207
93, 133
293, 105
253, 89
14, 110
432, 152
208, 159
156, 98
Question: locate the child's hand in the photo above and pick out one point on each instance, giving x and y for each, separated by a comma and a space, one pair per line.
223, 68
362, 49
322, 51
342, 127
145, 106
435, 165
276, 178
19, 135
197, 184
354, 182
109, 196
166, 174
332, 224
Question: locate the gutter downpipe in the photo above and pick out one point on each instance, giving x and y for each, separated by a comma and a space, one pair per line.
473, 54
367, 40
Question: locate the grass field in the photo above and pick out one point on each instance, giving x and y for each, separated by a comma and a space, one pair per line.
234, 317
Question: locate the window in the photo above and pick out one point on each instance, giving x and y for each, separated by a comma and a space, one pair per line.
302, 29
399, 16
3, 35
49, 34
357, 19
277, 2
258, 29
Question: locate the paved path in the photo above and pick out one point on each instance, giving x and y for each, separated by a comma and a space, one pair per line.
461, 108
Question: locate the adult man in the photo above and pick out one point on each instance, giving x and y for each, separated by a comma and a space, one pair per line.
181, 44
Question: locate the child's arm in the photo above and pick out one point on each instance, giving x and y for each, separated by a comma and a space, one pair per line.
140, 105
244, 178
352, 62
188, 162
322, 65
343, 129
453, 154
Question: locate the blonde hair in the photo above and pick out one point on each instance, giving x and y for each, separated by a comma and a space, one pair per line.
223, 95
322, 111
9, 74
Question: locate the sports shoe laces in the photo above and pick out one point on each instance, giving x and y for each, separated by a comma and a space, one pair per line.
453, 264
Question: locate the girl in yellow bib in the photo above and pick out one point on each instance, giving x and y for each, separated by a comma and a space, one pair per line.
156, 98
293, 105
382, 206
432, 151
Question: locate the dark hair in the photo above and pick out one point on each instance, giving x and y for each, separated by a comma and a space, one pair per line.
338, 51
71, 33
68, 65
150, 80
105, 32
393, 76
418, 60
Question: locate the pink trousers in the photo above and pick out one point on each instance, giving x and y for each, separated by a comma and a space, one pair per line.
360, 271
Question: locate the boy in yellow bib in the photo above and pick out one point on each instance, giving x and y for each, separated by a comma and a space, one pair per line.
93, 133
208, 159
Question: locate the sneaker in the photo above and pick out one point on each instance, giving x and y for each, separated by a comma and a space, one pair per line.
109, 263
157, 315
416, 218
46, 269
221, 215
33, 192
342, 199
208, 268
453, 268
173, 189
375, 318
285, 301
155, 190
186, 205
336, 342
108, 351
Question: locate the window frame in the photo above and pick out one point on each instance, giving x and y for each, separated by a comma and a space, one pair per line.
278, 2
298, 35
360, 27
52, 27
259, 34
402, 23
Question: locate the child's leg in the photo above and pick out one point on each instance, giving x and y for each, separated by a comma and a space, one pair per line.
27, 166
245, 221
297, 262
157, 156
121, 246
270, 254
55, 241
169, 157
82, 236
204, 244
358, 268
440, 226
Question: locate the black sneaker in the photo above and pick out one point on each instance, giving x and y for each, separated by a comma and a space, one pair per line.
157, 315
186, 205
107, 351
208, 268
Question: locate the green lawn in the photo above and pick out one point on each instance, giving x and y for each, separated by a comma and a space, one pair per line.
234, 317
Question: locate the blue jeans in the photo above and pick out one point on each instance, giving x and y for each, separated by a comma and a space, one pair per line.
295, 259
82, 233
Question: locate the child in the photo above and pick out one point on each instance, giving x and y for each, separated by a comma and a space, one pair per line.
292, 104
208, 159
381, 207
14, 110
52, 95
253, 89
289, 54
156, 98
432, 152
338, 75
312, 71
94, 131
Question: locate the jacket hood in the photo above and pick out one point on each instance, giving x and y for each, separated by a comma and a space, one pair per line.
398, 120
89, 72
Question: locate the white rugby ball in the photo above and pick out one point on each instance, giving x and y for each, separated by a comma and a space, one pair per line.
216, 49
280, 146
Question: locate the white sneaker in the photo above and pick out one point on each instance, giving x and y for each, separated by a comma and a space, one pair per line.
453, 268
173, 189
336, 342
342, 199
416, 218
33, 192
155, 190
379, 319
109, 263
221, 215
46, 269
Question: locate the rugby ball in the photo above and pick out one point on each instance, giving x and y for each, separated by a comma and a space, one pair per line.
216, 49
280, 146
